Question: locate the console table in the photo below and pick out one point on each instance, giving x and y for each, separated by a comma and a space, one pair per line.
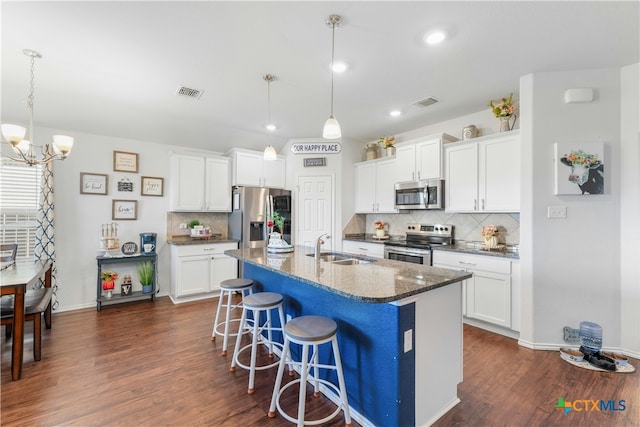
135, 295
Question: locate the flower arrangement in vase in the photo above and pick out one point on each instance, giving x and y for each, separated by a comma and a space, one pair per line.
490, 234
108, 282
504, 110
388, 144
379, 227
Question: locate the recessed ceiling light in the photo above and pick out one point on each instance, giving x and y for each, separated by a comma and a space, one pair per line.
434, 37
339, 67
271, 127
395, 113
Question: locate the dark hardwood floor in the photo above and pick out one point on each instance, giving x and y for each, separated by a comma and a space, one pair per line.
148, 364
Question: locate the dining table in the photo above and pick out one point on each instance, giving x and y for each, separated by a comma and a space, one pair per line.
15, 279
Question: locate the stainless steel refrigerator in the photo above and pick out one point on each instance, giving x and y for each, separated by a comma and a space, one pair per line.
252, 207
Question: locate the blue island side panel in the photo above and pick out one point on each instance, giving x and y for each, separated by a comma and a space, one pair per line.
379, 375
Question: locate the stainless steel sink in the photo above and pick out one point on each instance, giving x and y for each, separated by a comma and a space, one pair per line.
341, 259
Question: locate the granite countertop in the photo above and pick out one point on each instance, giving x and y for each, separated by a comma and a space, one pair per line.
370, 239
466, 249
186, 239
378, 282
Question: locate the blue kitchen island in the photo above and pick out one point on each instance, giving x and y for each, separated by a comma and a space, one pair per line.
399, 328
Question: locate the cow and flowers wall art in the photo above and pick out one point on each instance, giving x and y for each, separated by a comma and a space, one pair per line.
579, 168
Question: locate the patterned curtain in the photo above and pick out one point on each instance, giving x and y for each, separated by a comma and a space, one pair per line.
45, 229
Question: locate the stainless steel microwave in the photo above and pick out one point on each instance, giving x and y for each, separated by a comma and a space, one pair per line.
423, 194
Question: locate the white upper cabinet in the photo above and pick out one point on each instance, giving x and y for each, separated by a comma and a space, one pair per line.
250, 169
421, 158
375, 186
483, 175
200, 183
217, 184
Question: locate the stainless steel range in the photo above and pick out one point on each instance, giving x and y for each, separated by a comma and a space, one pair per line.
416, 248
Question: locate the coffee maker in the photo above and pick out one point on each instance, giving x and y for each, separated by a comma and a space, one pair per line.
148, 243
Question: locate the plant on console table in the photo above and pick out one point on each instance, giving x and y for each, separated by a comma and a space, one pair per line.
490, 234
145, 275
108, 282
379, 226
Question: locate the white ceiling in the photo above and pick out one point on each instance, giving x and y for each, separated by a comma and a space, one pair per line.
112, 68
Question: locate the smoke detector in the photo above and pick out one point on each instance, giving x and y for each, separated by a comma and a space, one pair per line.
189, 92
426, 102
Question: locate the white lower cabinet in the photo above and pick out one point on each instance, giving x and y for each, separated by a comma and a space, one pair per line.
487, 296
363, 248
197, 270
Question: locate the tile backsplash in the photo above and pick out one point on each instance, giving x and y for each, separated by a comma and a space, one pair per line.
467, 226
217, 221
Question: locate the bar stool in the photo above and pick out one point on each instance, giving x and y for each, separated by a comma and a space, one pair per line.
310, 331
228, 287
257, 303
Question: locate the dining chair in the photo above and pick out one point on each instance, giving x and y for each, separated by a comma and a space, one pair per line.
8, 252
36, 303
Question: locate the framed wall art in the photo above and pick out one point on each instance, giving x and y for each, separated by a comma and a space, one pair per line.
579, 168
125, 162
124, 210
94, 183
151, 186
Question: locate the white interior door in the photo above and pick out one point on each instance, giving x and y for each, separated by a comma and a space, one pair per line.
315, 210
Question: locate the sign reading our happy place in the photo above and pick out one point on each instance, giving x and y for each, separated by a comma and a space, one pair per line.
316, 147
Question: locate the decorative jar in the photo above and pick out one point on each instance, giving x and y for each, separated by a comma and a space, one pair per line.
491, 242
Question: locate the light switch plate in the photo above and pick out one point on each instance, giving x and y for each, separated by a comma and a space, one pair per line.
557, 212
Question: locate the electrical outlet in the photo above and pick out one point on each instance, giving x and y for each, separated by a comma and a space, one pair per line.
183, 225
571, 335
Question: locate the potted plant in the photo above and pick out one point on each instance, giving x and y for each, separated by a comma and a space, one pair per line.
145, 275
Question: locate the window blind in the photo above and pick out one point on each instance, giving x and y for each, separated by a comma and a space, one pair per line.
19, 194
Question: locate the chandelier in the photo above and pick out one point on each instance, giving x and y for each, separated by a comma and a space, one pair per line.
16, 135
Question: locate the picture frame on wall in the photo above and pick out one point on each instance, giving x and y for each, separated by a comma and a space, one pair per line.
151, 186
125, 162
124, 210
579, 168
94, 183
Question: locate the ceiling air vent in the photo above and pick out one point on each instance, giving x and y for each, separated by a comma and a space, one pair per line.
189, 92
426, 102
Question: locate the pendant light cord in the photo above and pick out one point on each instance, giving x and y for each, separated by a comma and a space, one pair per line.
333, 40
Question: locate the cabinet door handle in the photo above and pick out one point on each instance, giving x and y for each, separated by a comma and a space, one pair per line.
475, 204
482, 204
466, 263
418, 175
363, 249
